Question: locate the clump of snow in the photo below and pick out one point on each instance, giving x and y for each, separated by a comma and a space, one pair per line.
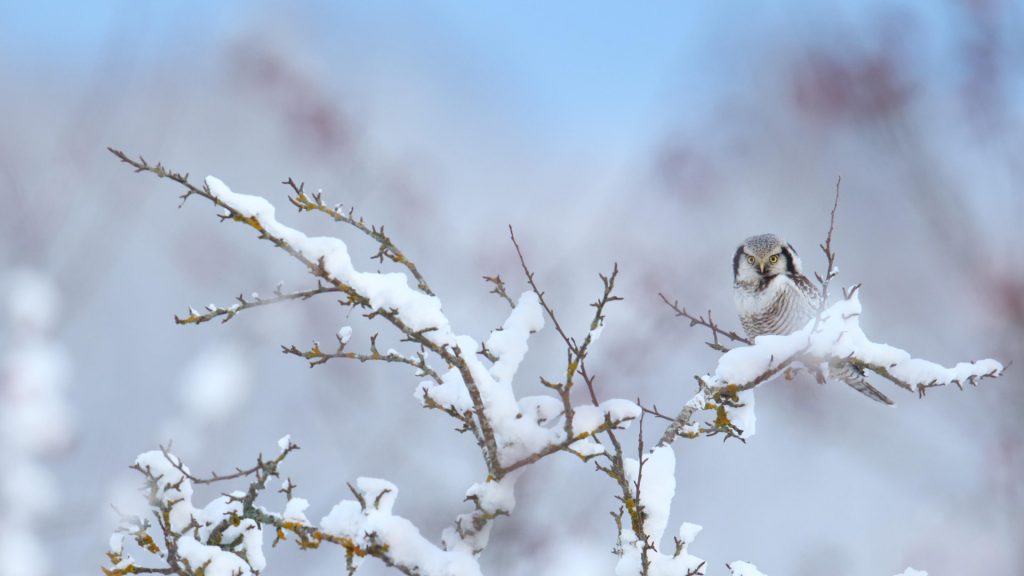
688, 533
374, 524
619, 409
743, 416
912, 572
521, 427
540, 409
343, 519
345, 334
216, 561
284, 442
295, 510
587, 447
172, 487
493, 497
380, 494
116, 545
741, 568
451, 392
657, 489
509, 344
173, 491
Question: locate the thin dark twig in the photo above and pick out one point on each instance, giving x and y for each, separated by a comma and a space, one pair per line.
708, 323
254, 301
830, 255
540, 295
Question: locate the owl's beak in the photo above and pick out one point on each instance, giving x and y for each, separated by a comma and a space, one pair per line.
762, 265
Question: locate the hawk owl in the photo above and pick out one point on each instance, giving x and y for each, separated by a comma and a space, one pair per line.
774, 297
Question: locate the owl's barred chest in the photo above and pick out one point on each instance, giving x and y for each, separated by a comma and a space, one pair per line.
775, 307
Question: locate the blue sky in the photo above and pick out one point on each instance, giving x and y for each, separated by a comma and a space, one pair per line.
570, 62
592, 69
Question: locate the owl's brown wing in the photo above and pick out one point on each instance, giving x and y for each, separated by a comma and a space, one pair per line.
807, 288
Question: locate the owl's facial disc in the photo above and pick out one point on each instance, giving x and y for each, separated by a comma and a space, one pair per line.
761, 262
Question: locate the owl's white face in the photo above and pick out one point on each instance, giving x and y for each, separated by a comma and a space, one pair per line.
763, 257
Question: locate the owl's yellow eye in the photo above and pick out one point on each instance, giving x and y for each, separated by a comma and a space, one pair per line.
774, 259
750, 259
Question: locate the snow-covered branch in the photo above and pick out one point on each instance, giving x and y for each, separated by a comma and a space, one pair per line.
473, 381
835, 336
476, 385
832, 338
225, 537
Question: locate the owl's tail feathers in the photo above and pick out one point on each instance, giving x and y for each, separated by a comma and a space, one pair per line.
854, 378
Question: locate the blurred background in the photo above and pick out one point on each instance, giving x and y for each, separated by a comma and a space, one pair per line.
657, 135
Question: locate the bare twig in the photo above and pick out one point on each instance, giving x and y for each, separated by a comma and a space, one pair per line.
228, 312
499, 289
540, 294
648, 544
708, 323
830, 257
238, 473
316, 356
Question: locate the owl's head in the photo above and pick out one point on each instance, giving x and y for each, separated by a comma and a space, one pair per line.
764, 256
